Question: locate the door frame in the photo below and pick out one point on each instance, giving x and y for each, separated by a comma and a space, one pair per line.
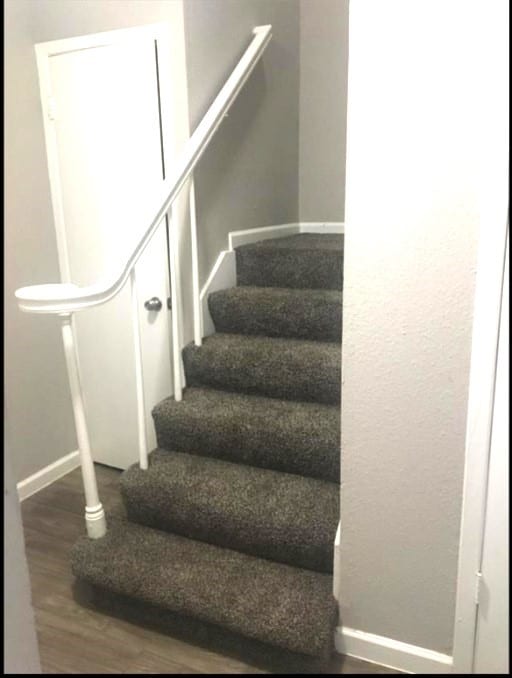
492, 186
175, 132
490, 282
170, 130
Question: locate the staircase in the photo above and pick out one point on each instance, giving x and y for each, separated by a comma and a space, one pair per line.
234, 522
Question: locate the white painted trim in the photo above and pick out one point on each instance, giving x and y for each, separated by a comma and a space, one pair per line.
196, 294
139, 375
322, 227
391, 653
336, 571
222, 276
250, 235
48, 475
492, 184
44, 51
52, 159
80, 42
177, 310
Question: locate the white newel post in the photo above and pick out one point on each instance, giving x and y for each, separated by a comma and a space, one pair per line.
94, 514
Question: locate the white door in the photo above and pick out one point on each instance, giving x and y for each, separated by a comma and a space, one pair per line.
106, 142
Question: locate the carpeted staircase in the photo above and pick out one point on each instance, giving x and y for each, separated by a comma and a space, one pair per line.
233, 524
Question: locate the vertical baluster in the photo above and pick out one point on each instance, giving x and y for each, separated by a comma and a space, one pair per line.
176, 307
198, 318
139, 377
94, 514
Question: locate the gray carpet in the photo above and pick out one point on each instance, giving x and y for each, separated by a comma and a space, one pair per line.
299, 261
267, 601
284, 435
278, 516
233, 524
193, 631
290, 369
278, 312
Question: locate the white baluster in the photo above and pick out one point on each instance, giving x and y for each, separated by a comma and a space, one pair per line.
176, 307
198, 317
94, 514
139, 377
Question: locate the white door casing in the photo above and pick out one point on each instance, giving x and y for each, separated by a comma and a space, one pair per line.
492, 145
112, 129
492, 627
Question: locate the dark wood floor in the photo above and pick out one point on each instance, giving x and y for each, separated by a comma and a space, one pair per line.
76, 639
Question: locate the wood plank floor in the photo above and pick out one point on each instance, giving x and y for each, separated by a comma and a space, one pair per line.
74, 638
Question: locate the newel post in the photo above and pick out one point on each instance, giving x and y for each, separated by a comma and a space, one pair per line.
94, 514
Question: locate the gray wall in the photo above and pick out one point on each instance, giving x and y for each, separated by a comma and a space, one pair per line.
323, 104
20, 640
410, 259
248, 177
37, 402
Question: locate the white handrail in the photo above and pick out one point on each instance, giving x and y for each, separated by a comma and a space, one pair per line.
67, 297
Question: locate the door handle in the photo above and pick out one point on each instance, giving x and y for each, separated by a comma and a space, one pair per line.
153, 304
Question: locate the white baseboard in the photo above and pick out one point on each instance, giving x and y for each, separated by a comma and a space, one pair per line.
48, 475
391, 653
223, 273
237, 238
321, 227
222, 276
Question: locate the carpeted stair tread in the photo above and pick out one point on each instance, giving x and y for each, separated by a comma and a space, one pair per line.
285, 518
305, 260
295, 437
210, 637
278, 312
270, 602
290, 369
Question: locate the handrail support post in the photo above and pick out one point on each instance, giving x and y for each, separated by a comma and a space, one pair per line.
196, 303
139, 376
95, 521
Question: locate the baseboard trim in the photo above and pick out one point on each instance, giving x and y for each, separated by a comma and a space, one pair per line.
222, 276
391, 653
48, 475
322, 227
237, 238
223, 273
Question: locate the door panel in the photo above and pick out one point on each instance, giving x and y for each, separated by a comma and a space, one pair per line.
110, 175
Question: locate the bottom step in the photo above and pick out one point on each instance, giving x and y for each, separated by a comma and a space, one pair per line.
266, 601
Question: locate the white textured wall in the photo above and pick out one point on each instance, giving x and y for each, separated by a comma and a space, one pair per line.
410, 255
322, 107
